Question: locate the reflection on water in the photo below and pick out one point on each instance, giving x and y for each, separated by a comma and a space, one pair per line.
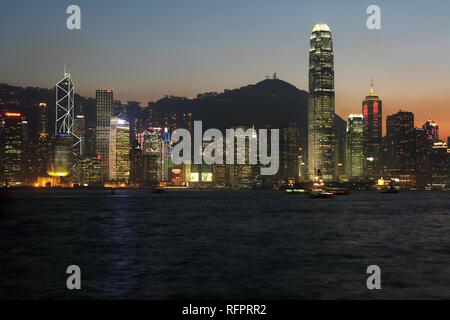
216, 245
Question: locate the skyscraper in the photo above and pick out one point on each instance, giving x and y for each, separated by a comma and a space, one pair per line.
289, 172
11, 152
119, 150
400, 157
79, 129
105, 107
355, 147
65, 110
372, 108
321, 108
432, 130
42, 141
423, 152
65, 141
440, 164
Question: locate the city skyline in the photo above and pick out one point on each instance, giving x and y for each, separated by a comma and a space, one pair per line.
205, 150
155, 58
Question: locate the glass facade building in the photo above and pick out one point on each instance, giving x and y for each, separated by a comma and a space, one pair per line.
321, 105
355, 147
105, 107
119, 151
11, 148
372, 108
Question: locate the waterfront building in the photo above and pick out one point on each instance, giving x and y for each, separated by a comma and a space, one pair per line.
43, 141
289, 172
422, 157
11, 148
440, 164
400, 148
119, 150
321, 105
105, 108
355, 147
372, 108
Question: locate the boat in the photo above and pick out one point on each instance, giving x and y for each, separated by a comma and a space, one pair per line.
320, 193
159, 190
389, 189
338, 191
298, 188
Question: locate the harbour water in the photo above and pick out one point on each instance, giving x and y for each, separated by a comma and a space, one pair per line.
223, 245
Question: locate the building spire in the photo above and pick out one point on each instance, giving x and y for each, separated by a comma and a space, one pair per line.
372, 90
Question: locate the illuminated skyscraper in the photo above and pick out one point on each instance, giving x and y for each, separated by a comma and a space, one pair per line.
65, 142
105, 107
440, 164
11, 152
355, 147
152, 147
372, 109
423, 152
65, 111
42, 141
166, 159
321, 108
119, 150
432, 130
400, 157
43, 118
289, 154
80, 132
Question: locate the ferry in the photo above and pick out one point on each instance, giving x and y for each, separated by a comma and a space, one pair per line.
389, 189
320, 193
298, 189
338, 191
388, 186
159, 189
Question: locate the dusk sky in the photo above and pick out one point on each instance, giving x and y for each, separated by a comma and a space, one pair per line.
145, 49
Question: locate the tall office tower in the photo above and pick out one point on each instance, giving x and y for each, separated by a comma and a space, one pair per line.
355, 147
90, 149
105, 107
244, 175
43, 118
42, 140
65, 142
80, 132
423, 152
440, 164
11, 152
152, 146
289, 155
166, 159
29, 164
65, 109
372, 108
401, 146
432, 130
321, 108
119, 150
